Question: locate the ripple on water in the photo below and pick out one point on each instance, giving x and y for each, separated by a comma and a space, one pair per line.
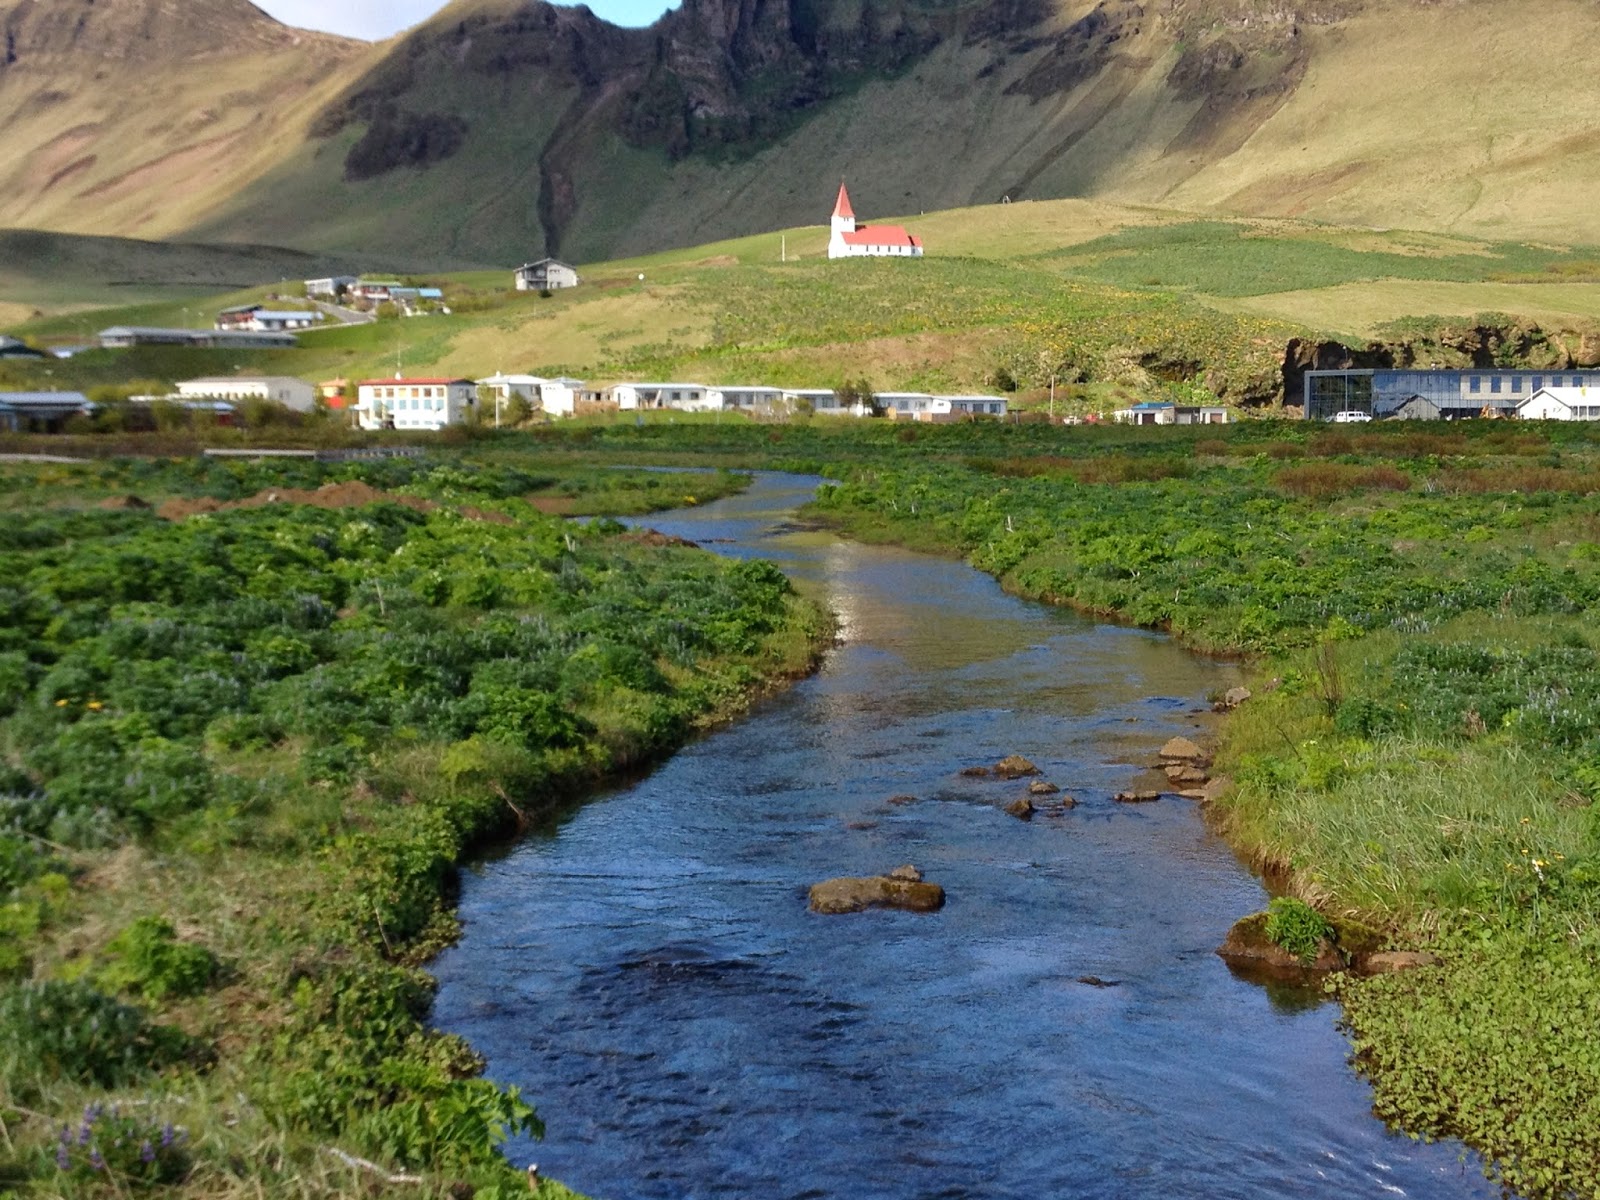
651, 976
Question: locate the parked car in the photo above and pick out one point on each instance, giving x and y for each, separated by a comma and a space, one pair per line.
1350, 416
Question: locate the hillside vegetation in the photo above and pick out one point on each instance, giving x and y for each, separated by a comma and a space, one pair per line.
1114, 302
499, 130
244, 743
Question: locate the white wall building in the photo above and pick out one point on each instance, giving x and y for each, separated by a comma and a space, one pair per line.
281, 389
685, 397
402, 403
546, 275
1561, 404
559, 397
330, 286
745, 398
868, 241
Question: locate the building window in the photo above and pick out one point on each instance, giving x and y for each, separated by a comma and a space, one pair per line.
1475, 384
1538, 382
1494, 385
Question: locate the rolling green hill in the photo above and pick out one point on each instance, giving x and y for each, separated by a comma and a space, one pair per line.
1115, 302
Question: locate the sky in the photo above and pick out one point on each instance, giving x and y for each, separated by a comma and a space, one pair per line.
374, 19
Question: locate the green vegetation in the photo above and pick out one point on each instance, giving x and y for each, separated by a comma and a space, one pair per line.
1295, 926
1111, 304
241, 756
1426, 751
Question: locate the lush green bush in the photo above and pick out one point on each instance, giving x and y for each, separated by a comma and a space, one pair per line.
147, 957
1295, 926
70, 1031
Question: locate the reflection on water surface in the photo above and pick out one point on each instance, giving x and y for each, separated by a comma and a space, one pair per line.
650, 976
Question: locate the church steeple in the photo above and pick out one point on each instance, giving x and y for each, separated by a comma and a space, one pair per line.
844, 217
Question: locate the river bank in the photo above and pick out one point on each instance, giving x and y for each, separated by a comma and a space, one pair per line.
1424, 760
652, 970
244, 754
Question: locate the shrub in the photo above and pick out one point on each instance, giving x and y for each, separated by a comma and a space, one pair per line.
1295, 926
148, 958
109, 1146
71, 1031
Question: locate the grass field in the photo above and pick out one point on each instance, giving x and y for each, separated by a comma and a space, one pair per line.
1103, 297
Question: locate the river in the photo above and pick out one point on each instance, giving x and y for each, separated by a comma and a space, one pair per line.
650, 976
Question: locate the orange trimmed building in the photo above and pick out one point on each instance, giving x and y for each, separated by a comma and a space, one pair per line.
868, 241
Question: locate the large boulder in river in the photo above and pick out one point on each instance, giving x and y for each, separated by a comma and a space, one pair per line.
1348, 943
1042, 787
1014, 767
849, 894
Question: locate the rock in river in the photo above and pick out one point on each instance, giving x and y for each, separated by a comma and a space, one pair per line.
848, 895
1387, 962
1041, 788
1021, 808
1182, 750
1137, 797
1014, 767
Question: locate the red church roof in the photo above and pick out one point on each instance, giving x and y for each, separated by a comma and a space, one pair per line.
881, 235
842, 208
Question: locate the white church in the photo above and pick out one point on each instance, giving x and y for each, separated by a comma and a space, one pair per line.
849, 241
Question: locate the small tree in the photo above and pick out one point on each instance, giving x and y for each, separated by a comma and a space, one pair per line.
853, 393
517, 409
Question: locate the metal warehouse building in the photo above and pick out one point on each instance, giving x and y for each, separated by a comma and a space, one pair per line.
1431, 394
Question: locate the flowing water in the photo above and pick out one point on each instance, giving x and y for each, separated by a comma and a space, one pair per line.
649, 974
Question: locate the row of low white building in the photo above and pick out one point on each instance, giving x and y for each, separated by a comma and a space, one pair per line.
432, 403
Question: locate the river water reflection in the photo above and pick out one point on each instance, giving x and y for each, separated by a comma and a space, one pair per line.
648, 973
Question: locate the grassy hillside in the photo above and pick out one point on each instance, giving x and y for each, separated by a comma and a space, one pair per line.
1117, 302
131, 117
498, 130
1388, 113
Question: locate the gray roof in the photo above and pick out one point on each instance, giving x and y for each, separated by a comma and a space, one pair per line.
18, 400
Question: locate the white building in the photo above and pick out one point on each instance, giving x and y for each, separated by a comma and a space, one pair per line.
745, 398
559, 397
546, 275
874, 241
685, 397
1561, 404
280, 389
402, 403
939, 410
330, 286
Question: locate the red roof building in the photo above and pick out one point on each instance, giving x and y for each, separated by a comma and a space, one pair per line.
868, 241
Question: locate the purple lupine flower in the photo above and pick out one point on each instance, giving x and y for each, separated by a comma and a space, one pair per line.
166, 1135
96, 1163
85, 1132
63, 1158
66, 1135
147, 1152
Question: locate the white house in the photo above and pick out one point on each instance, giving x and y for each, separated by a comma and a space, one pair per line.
546, 275
1561, 404
401, 403
875, 241
754, 400
281, 389
559, 397
940, 410
330, 286
686, 397
260, 319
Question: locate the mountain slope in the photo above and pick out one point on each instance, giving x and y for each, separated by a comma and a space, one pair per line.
133, 116
503, 129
